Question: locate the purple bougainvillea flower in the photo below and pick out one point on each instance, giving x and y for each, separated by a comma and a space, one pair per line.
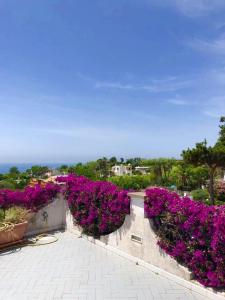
191, 232
98, 207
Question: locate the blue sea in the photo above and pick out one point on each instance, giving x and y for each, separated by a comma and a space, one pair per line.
4, 167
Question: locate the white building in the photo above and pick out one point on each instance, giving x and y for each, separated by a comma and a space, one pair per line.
142, 170
120, 170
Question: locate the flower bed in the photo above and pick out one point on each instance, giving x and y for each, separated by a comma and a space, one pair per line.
32, 198
98, 207
191, 232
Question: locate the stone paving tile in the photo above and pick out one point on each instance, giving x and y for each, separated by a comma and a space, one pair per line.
76, 269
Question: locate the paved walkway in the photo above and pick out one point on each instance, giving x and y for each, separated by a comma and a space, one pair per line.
74, 268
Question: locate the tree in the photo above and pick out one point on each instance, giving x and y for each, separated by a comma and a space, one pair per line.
13, 171
103, 167
88, 170
134, 162
63, 169
211, 157
188, 177
160, 168
121, 160
221, 139
113, 161
38, 171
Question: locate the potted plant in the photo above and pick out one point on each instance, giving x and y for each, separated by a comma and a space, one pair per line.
13, 225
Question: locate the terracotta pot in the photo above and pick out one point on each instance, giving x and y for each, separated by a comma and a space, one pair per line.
11, 235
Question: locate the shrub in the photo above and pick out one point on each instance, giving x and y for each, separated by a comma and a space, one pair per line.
32, 198
200, 194
98, 207
132, 182
16, 215
191, 232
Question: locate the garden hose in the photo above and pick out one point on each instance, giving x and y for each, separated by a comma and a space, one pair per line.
36, 240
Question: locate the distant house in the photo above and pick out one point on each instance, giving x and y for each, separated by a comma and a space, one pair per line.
120, 170
142, 170
52, 172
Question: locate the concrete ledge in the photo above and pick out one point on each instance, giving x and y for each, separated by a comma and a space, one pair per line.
140, 195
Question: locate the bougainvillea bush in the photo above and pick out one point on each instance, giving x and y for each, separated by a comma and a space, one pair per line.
191, 232
98, 207
32, 198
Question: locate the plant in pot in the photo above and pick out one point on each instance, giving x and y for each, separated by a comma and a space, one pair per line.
13, 225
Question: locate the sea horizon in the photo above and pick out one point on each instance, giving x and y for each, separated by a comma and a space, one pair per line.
5, 167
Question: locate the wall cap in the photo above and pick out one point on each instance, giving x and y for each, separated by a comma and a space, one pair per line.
139, 195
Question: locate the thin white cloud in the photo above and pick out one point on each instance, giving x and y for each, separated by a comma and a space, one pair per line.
190, 8
169, 84
178, 102
215, 107
115, 85
98, 134
196, 8
216, 46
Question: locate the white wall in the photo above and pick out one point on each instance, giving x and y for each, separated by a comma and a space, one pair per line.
136, 225
50, 217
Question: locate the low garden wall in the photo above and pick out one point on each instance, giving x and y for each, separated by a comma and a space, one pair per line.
137, 238
49, 218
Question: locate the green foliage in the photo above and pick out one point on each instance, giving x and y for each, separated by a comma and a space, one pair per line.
63, 169
88, 170
2, 215
211, 157
161, 168
103, 168
187, 177
200, 194
221, 139
14, 172
8, 184
133, 182
113, 161
134, 162
38, 171
15, 215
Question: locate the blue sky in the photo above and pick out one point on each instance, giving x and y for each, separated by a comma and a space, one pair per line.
84, 79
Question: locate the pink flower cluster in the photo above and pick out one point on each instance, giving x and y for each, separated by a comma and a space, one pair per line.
191, 232
32, 198
98, 207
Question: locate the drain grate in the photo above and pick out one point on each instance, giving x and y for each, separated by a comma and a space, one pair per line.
136, 238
